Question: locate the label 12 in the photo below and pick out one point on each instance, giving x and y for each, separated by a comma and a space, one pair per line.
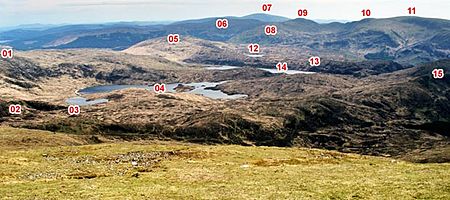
253, 48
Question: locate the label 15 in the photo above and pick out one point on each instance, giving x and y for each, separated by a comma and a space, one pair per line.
438, 73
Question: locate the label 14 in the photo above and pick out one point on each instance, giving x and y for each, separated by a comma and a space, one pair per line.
15, 109
282, 67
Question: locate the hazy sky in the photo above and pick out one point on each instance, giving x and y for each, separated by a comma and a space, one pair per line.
15, 12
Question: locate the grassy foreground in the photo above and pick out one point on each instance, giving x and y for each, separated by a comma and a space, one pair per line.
44, 165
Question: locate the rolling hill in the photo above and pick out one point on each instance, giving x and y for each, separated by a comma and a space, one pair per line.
408, 40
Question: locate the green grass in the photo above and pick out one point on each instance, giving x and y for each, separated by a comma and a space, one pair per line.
172, 170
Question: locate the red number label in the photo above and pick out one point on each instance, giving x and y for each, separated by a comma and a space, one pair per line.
412, 10
314, 61
159, 88
438, 73
266, 7
74, 110
7, 53
282, 67
253, 48
173, 38
15, 109
222, 23
366, 13
271, 30
302, 13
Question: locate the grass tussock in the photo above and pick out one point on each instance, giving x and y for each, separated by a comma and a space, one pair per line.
173, 170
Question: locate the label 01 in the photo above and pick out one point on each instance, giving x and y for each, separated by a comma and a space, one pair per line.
7, 53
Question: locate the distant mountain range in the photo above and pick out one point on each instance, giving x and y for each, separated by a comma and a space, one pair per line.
403, 39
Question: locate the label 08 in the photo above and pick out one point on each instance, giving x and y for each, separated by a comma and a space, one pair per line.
271, 30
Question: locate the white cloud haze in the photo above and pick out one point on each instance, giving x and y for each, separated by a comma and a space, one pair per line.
15, 12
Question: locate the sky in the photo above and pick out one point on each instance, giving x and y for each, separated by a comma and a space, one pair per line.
17, 12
